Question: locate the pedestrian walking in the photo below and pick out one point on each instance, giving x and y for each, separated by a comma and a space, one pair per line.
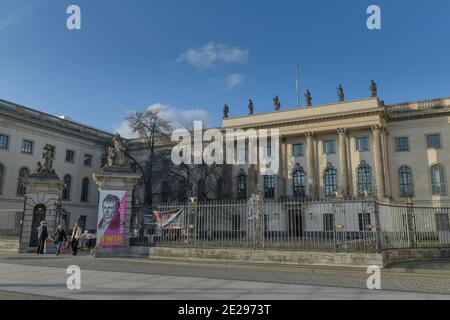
60, 237
76, 234
42, 237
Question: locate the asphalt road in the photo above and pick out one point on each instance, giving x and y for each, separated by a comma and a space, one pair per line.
431, 278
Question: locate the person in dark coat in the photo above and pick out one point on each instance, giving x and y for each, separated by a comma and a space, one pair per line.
60, 237
42, 237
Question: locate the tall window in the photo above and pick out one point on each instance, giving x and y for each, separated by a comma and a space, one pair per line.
164, 191
434, 141
330, 178
85, 190
2, 174
27, 146
21, 189
362, 144
70, 156
297, 150
269, 187
405, 182
364, 178
66, 191
299, 183
4, 141
438, 184
329, 147
242, 186
202, 190
88, 160
402, 144
364, 221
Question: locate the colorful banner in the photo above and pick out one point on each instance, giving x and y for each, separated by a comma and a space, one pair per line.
111, 219
167, 220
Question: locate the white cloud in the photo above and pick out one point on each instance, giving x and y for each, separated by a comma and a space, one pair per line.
212, 55
234, 80
177, 118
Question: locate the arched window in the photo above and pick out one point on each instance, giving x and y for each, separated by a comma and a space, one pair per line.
2, 174
21, 189
438, 184
269, 187
299, 183
405, 182
242, 186
364, 178
85, 190
330, 182
67, 184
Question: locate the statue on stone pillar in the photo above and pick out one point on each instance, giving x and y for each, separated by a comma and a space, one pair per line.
250, 107
340, 93
116, 152
48, 154
308, 98
226, 111
373, 89
276, 103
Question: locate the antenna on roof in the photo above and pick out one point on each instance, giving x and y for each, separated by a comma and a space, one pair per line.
298, 90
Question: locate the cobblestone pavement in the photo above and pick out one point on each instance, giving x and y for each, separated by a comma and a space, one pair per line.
405, 278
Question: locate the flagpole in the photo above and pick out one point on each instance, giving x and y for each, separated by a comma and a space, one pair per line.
298, 88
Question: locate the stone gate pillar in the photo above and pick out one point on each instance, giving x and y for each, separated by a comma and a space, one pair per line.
115, 182
43, 191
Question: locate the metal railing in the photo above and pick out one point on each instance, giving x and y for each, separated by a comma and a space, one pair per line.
10, 224
335, 225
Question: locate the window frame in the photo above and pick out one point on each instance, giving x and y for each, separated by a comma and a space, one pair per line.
357, 145
333, 143
91, 157
85, 193
302, 192
8, 137
442, 183
73, 156
302, 150
269, 191
428, 135
401, 150
401, 184
22, 146
325, 180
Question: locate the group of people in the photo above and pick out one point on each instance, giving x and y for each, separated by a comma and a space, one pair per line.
60, 238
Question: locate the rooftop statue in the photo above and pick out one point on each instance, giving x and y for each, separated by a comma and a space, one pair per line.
226, 111
340, 93
308, 98
250, 107
373, 89
276, 103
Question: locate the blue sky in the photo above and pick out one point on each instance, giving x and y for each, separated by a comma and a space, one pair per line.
193, 56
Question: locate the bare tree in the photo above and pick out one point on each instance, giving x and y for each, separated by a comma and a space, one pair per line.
152, 129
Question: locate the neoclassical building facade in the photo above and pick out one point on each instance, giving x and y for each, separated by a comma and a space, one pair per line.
392, 151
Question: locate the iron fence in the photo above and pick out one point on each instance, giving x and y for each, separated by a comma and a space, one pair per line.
335, 225
10, 224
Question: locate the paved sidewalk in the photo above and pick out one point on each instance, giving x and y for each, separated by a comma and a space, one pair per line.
51, 282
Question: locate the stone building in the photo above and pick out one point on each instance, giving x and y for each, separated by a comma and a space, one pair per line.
395, 151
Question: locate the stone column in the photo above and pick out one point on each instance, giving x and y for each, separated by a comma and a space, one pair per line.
121, 179
343, 163
310, 159
281, 181
378, 161
41, 199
